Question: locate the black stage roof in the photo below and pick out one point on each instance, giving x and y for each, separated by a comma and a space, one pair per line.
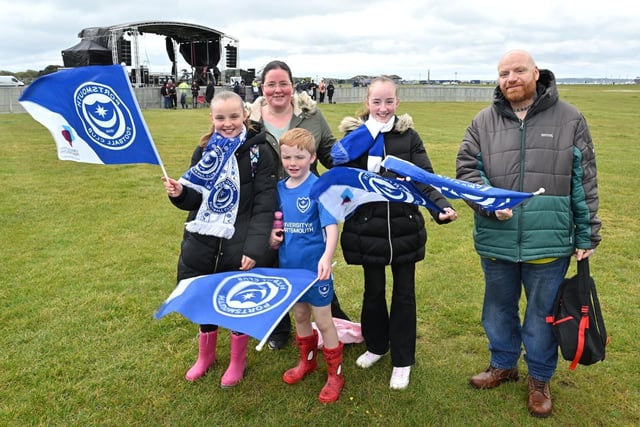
179, 31
199, 45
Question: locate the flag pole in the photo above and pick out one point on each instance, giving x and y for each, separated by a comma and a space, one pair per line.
144, 123
164, 171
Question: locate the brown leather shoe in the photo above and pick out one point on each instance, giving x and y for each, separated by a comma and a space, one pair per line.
539, 398
493, 377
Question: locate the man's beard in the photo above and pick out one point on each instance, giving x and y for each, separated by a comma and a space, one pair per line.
521, 93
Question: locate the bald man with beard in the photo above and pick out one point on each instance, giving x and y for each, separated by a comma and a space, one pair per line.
526, 140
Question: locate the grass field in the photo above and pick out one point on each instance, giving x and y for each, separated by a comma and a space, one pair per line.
89, 253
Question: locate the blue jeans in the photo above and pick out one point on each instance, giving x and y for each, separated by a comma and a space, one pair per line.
501, 317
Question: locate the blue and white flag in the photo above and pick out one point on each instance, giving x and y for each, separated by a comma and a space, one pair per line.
342, 189
252, 302
92, 114
490, 198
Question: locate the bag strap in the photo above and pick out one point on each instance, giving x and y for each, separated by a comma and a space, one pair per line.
592, 299
583, 287
583, 295
598, 314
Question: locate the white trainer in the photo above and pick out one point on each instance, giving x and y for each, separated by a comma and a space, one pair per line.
400, 378
367, 359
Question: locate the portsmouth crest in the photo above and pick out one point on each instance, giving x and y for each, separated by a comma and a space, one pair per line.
303, 204
246, 294
209, 166
324, 289
224, 197
392, 190
106, 119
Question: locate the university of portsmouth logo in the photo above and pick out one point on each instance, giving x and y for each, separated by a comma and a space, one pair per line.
246, 294
106, 119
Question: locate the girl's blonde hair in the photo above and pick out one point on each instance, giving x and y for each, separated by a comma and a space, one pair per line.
224, 96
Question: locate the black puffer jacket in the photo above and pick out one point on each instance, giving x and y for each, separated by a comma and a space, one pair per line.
202, 254
385, 232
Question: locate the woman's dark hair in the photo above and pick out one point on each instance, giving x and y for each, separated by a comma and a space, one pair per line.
276, 65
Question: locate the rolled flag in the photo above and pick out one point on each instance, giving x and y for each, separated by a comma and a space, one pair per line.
252, 302
490, 198
342, 189
367, 137
353, 145
92, 114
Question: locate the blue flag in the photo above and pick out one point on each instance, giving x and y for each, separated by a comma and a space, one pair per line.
490, 198
252, 302
92, 114
342, 189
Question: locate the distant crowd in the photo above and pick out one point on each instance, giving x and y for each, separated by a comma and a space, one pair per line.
171, 92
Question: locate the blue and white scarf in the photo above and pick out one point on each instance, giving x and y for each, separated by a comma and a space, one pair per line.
217, 178
367, 137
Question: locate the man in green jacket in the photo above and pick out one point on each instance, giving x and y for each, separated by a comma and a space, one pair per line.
526, 140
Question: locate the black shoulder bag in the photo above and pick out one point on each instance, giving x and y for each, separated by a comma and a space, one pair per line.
577, 319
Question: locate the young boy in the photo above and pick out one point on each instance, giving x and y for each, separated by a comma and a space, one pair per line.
304, 244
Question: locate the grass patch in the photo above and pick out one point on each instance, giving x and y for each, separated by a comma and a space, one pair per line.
89, 253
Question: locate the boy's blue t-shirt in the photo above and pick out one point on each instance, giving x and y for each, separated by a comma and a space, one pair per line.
304, 219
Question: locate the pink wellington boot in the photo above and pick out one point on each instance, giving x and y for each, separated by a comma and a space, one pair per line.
206, 355
308, 347
237, 361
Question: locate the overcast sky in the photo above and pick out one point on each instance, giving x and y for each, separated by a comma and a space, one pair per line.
442, 39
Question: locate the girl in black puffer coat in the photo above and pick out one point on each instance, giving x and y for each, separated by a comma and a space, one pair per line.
230, 191
386, 233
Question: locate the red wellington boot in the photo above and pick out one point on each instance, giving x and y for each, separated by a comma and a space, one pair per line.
335, 381
308, 347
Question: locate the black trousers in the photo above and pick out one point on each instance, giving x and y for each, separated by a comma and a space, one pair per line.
395, 329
